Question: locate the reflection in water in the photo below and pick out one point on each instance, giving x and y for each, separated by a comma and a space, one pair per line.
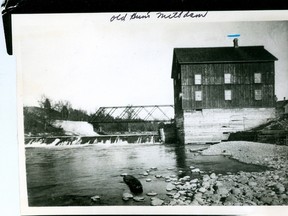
180, 152
63, 176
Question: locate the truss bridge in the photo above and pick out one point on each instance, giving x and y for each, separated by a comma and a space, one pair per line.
133, 114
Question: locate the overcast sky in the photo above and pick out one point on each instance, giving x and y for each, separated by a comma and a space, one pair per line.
92, 62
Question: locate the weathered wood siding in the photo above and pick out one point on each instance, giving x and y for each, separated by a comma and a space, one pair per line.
214, 125
212, 86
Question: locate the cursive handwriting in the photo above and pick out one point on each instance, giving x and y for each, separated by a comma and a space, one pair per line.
181, 14
158, 15
140, 16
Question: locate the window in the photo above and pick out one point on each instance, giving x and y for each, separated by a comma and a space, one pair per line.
227, 78
228, 95
257, 77
198, 95
197, 79
258, 95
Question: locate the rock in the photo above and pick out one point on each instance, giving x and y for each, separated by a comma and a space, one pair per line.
213, 176
236, 191
123, 174
198, 198
177, 183
186, 178
243, 180
95, 198
172, 176
133, 183
206, 184
195, 170
202, 190
230, 200
279, 188
158, 176
138, 198
127, 196
156, 201
206, 178
194, 180
170, 168
153, 168
170, 194
217, 185
276, 177
215, 198
151, 193
145, 174
266, 200
170, 187
168, 180
173, 202
252, 184
182, 192
148, 180
176, 195
192, 167
222, 191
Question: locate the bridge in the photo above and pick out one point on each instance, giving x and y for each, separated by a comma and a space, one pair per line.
133, 114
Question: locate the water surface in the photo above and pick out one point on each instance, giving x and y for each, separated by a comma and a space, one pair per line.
70, 175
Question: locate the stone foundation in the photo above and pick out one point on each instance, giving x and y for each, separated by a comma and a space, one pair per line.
214, 125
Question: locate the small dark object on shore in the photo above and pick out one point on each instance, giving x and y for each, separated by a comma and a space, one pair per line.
133, 183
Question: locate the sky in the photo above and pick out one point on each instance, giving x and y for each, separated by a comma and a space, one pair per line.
92, 62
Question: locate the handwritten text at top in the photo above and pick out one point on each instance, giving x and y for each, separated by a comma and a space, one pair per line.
159, 15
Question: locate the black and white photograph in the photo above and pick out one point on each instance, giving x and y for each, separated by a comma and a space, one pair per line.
169, 110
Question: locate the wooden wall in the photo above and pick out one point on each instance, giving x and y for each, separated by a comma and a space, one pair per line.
212, 86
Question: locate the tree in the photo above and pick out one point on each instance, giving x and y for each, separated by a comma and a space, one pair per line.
59, 105
47, 104
64, 112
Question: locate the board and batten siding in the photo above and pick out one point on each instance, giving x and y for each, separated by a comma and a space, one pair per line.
212, 85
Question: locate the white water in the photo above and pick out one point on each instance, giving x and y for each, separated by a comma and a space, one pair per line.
76, 141
78, 128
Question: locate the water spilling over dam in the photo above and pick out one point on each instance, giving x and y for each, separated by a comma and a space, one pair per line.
86, 140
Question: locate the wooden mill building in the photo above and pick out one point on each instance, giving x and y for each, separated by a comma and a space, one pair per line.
218, 90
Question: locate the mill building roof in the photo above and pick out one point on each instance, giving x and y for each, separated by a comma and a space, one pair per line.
222, 55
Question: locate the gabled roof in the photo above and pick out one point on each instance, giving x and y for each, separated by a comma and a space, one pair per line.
222, 55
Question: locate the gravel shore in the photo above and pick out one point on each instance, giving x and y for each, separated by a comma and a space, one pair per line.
241, 189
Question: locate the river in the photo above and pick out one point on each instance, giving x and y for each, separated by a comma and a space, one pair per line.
71, 175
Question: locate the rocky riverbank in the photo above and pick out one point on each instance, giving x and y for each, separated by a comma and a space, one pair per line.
255, 188
241, 189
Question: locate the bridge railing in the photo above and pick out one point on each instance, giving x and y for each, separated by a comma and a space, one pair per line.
133, 114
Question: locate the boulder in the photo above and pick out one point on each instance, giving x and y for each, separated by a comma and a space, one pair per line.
202, 190
279, 188
156, 201
151, 193
213, 176
252, 184
170, 187
133, 183
206, 178
138, 198
222, 191
195, 170
126, 196
230, 200
236, 191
